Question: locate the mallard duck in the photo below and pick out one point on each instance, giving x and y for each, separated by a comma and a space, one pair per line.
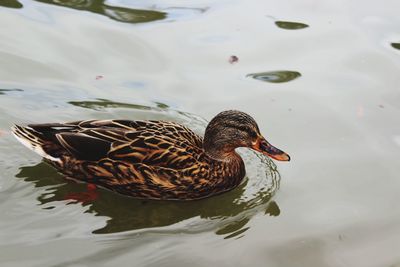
150, 159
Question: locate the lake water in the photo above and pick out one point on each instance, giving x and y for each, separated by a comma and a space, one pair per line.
321, 78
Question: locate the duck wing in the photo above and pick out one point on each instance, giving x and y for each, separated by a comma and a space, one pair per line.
157, 143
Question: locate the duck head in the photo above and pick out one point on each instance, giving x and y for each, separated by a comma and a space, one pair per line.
232, 129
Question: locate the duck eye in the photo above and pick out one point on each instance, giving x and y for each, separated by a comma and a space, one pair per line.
253, 134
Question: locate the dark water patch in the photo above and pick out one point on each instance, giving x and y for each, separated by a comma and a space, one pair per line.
121, 14
11, 4
275, 76
396, 45
233, 227
289, 25
161, 105
238, 233
100, 104
4, 91
273, 209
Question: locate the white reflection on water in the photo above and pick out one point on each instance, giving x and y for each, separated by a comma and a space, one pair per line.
396, 139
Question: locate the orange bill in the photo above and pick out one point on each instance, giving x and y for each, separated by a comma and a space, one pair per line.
266, 148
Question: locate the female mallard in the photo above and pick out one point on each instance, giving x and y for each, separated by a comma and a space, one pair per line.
150, 159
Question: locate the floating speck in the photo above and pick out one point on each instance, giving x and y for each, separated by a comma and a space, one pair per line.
98, 77
396, 45
233, 59
275, 76
288, 25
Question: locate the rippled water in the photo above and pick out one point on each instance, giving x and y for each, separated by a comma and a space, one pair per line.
276, 76
288, 25
320, 77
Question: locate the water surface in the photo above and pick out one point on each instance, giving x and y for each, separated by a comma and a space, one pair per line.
334, 204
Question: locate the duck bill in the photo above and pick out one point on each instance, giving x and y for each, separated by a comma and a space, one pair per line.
267, 149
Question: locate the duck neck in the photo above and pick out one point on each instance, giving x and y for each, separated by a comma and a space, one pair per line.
220, 148
221, 153
228, 165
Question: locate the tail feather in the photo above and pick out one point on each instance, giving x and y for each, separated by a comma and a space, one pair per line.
31, 139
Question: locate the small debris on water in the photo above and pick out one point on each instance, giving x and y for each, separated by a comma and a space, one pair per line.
233, 59
98, 77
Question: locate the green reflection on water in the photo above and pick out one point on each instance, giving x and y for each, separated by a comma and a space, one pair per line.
3, 91
132, 214
101, 103
275, 76
11, 3
288, 25
396, 45
121, 14
234, 228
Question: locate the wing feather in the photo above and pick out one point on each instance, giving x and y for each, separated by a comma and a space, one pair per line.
157, 143
83, 146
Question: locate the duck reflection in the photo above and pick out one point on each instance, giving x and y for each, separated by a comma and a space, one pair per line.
120, 14
228, 213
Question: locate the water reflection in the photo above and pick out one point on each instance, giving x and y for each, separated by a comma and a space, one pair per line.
11, 3
100, 103
275, 76
396, 45
121, 14
4, 91
227, 214
288, 25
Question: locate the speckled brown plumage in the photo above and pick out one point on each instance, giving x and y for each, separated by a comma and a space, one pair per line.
148, 159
